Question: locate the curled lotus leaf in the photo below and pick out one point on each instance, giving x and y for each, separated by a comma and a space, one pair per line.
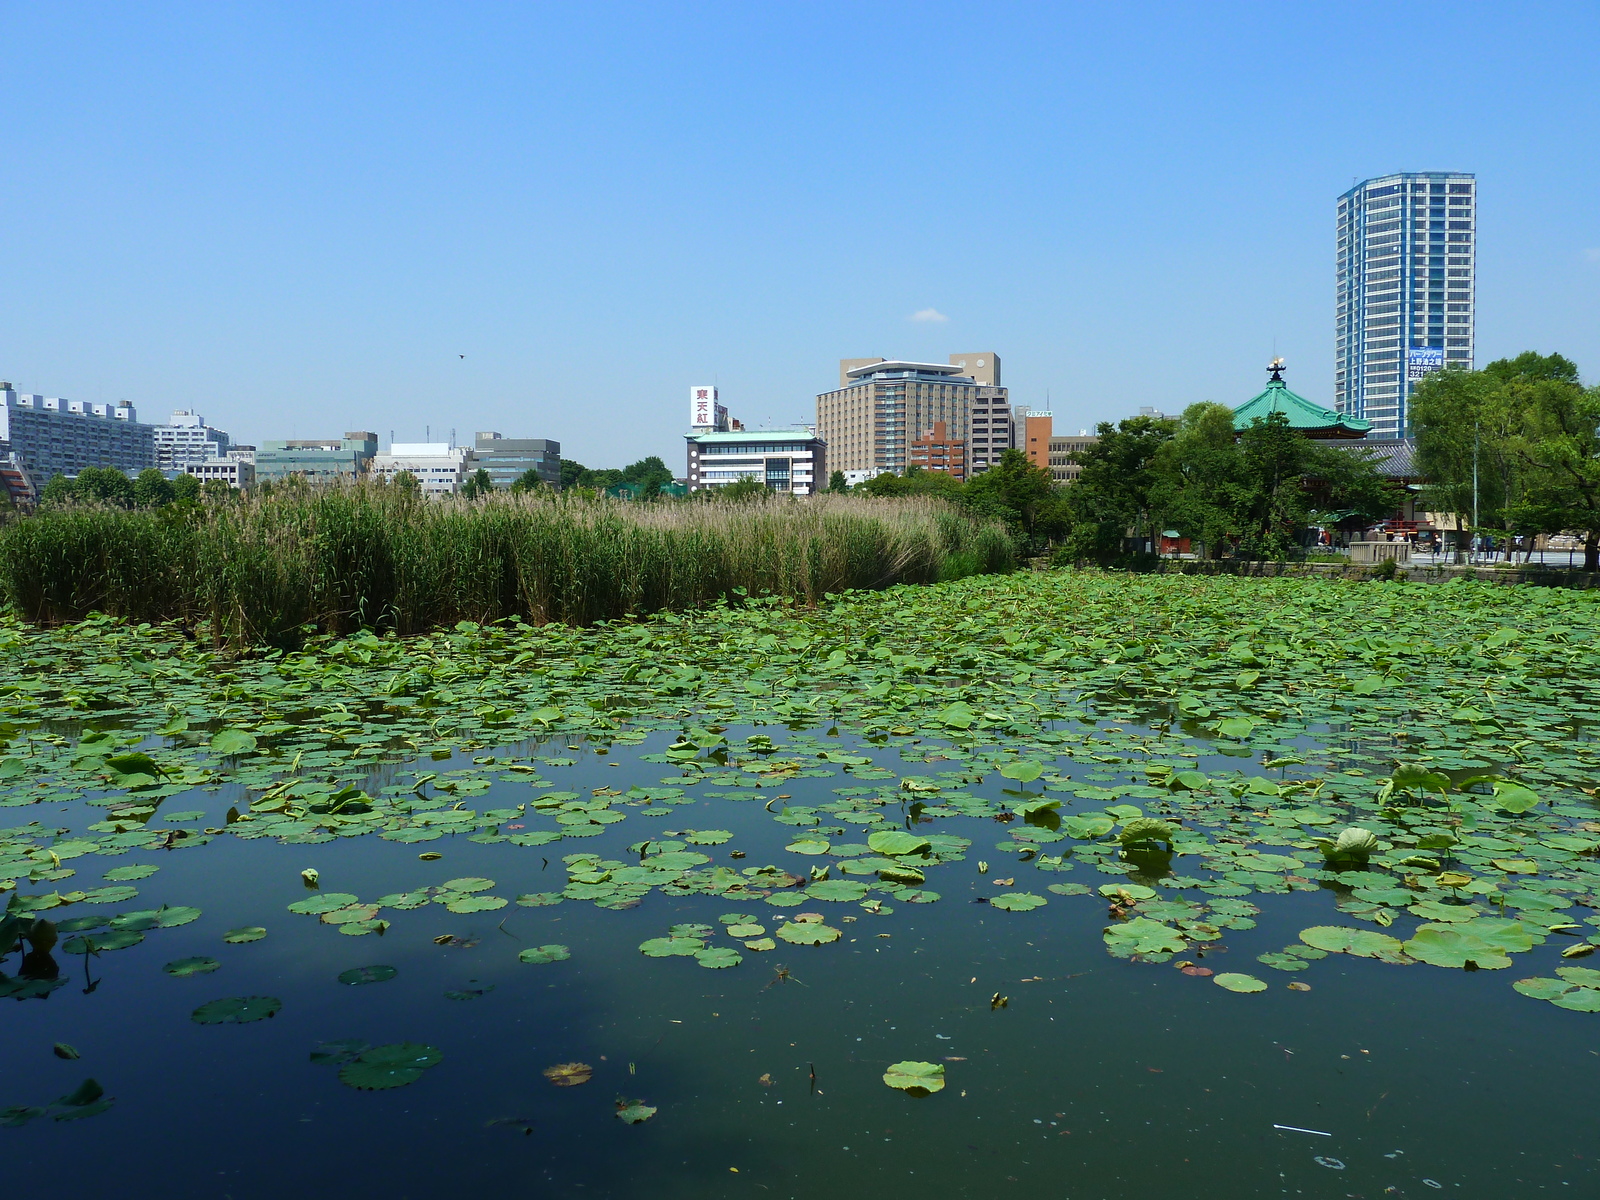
1352, 844
544, 954
916, 1078
1141, 830
896, 843
236, 1010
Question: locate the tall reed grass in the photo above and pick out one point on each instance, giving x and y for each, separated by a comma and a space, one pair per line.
259, 571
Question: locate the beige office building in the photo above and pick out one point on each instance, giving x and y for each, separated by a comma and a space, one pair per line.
883, 405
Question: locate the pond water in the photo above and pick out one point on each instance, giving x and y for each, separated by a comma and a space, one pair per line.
1099, 1077
1147, 885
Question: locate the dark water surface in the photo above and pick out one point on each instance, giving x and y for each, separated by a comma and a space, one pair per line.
1100, 1079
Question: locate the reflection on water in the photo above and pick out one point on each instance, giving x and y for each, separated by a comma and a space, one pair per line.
1098, 1078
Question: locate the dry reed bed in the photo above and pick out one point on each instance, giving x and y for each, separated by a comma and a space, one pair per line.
258, 571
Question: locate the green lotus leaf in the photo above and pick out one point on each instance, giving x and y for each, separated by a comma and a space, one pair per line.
236, 1010
1363, 943
718, 956
133, 871
229, 742
1583, 976
759, 944
469, 883
896, 843
808, 934
200, 964
707, 837
691, 929
1453, 946
1578, 1000
1023, 771
1514, 797
472, 904
916, 1078
632, 1112
545, 954
323, 902
540, 899
837, 889
1017, 901
95, 943
389, 1066
1236, 982
245, 933
359, 975
807, 846
745, 929
671, 947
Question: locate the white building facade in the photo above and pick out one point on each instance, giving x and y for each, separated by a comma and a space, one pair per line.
439, 468
784, 460
1405, 291
49, 436
186, 438
237, 474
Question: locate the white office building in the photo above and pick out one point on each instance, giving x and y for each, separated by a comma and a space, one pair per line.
186, 438
236, 473
1404, 292
438, 467
49, 436
784, 460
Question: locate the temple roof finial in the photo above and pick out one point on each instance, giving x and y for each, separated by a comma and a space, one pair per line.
1277, 370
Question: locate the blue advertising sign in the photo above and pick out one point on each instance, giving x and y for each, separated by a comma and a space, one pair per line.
1423, 360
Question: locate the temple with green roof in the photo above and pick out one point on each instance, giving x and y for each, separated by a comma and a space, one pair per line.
1310, 419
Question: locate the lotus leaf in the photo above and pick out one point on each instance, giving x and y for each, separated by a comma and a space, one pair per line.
837, 889
916, 1078
718, 956
670, 947
1363, 943
1236, 982
546, 954
245, 933
95, 943
389, 1066
1453, 946
324, 902
472, 904
467, 884
236, 1010
1017, 901
633, 1112
358, 975
198, 965
896, 843
569, 1074
807, 846
808, 933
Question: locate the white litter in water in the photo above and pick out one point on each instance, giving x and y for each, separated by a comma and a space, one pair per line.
1433, 1183
1333, 1164
1297, 1129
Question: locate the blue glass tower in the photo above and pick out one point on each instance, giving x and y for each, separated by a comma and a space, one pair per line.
1404, 292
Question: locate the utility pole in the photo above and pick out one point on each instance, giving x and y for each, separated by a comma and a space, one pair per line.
1474, 489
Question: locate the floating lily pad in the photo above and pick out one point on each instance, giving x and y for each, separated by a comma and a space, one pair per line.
916, 1078
760, 944
469, 883
808, 934
472, 904
807, 846
245, 933
323, 902
1363, 943
569, 1074
358, 975
389, 1066
544, 954
894, 843
236, 1010
1017, 901
632, 1112
96, 943
745, 930
718, 956
707, 837
837, 890
1236, 982
132, 871
200, 964
669, 947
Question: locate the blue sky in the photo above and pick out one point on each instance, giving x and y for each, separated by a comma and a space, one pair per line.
298, 217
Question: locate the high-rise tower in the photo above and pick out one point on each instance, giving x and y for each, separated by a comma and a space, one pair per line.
1404, 295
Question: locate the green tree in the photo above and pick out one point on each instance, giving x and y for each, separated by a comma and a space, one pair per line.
1022, 495
1196, 486
836, 482
477, 484
105, 485
651, 474
529, 481
151, 489
1558, 448
215, 491
1112, 495
917, 481
406, 482
747, 488
60, 490
186, 488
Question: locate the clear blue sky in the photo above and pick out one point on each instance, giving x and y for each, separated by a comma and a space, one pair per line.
296, 217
